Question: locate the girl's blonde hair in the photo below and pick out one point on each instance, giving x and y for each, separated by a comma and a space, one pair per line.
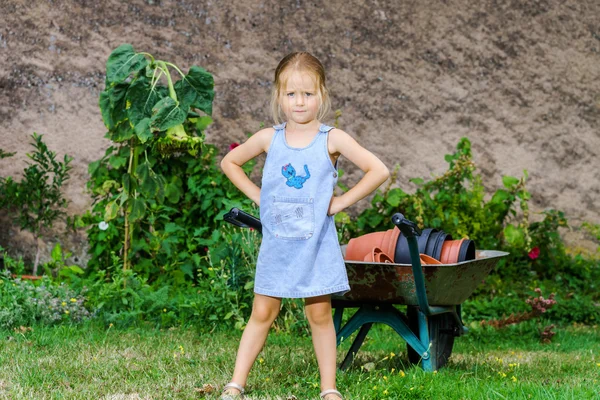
305, 62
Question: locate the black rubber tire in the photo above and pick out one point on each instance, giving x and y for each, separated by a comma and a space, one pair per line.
441, 337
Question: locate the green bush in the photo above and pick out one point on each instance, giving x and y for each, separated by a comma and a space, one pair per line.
23, 303
37, 200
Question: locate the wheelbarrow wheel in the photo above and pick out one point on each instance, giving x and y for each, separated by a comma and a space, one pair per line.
441, 337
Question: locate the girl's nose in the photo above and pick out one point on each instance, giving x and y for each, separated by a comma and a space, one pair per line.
299, 100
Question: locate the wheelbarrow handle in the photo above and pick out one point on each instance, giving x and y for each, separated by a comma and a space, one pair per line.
408, 228
242, 219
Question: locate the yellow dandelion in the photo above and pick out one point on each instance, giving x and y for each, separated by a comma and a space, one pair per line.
375, 387
63, 304
267, 379
412, 388
164, 310
393, 369
73, 300
110, 325
261, 360
392, 355
434, 372
385, 378
514, 378
401, 373
598, 364
502, 374
385, 391
67, 312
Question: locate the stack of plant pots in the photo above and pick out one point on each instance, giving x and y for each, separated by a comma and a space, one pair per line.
391, 245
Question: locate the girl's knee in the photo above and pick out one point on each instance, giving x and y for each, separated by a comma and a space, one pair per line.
265, 310
319, 315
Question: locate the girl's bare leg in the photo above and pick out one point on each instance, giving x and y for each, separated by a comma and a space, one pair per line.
318, 312
264, 311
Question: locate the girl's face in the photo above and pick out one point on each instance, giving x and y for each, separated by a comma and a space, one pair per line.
300, 99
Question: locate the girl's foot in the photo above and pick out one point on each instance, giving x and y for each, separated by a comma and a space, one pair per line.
331, 394
232, 391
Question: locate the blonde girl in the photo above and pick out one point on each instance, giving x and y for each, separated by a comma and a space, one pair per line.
300, 255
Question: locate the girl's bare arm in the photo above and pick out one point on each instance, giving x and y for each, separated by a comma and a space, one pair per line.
375, 170
233, 161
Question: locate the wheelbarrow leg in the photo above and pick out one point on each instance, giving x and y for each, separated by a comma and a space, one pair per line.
426, 360
360, 338
387, 314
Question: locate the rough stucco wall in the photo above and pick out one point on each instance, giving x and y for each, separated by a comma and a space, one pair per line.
519, 78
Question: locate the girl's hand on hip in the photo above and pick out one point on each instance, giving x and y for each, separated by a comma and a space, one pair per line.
335, 206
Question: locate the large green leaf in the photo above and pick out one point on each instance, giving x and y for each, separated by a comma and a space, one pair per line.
173, 190
106, 109
142, 130
148, 184
166, 114
196, 90
122, 62
122, 132
110, 212
141, 98
137, 209
118, 103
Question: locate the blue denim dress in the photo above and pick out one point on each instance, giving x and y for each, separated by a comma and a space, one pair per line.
300, 255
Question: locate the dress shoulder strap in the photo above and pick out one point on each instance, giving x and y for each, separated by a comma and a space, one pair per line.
325, 128
279, 127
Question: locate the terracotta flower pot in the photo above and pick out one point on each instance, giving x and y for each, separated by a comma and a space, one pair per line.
428, 260
454, 251
27, 277
378, 256
359, 247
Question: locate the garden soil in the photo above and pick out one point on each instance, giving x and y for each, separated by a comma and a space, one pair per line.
519, 78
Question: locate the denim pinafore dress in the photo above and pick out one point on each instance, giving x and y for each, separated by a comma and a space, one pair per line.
300, 255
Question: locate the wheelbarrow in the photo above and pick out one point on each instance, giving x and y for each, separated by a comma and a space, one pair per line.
433, 295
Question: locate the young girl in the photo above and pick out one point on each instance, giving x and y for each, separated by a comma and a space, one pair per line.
300, 255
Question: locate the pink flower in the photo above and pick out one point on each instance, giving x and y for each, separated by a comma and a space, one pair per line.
534, 253
233, 146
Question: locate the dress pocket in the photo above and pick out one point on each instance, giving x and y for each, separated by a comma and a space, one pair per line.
293, 218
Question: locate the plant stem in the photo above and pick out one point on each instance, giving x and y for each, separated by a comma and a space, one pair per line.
127, 233
172, 92
37, 255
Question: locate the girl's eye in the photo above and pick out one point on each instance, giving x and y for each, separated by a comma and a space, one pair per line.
308, 94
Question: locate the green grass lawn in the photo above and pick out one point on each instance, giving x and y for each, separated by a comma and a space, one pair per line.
92, 362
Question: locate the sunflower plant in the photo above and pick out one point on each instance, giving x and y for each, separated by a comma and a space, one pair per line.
151, 117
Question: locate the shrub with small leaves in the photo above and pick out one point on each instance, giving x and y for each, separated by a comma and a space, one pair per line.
23, 303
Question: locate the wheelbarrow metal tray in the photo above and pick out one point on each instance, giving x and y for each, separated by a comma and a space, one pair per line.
446, 284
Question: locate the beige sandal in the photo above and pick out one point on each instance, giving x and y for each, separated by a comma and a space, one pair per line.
331, 391
237, 396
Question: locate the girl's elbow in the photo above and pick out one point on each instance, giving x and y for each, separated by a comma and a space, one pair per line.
385, 173
224, 164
